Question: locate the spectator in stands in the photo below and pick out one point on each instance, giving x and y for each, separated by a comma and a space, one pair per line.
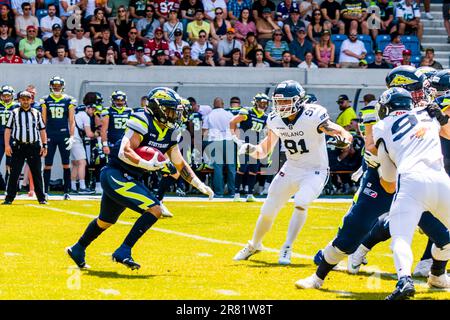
292, 24
199, 46
156, 44
4, 37
48, 21
7, 18
139, 59
176, 46
379, 62
223, 151
393, 52
208, 59
128, 46
236, 59
352, 51
258, 60
226, 47
275, 48
408, 15
97, 24
259, 6
101, 48
286, 60
306, 9
354, 15
163, 8
66, 9
28, 45
363, 64
10, 55
316, 27
210, 7
235, 7
194, 27
111, 56
406, 58
347, 113
285, 8
244, 25
325, 50
60, 56
429, 54
161, 59
25, 20
446, 16
121, 25
17, 7
113, 6
39, 58
188, 10
265, 26
147, 25
426, 4
171, 25
385, 18
308, 63
77, 44
249, 48
331, 12
219, 27
88, 56
186, 59
136, 9
52, 44
300, 46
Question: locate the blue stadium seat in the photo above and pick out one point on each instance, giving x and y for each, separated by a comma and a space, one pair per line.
382, 41
412, 43
370, 58
416, 59
48, 2
40, 13
367, 40
337, 39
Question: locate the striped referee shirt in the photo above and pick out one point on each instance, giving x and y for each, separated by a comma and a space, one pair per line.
25, 125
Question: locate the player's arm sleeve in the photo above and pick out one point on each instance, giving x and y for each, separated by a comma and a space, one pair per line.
72, 103
138, 124
321, 116
369, 115
243, 112
388, 170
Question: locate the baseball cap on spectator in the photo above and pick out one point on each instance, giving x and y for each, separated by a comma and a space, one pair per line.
178, 32
31, 27
160, 53
406, 52
25, 94
378, 51
301, 29
9, 45
294, 10
56, 26
326, 31
230, 30
342, 97
140, 48
267, 10
158, 30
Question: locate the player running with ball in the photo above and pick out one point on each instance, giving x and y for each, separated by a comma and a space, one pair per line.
120, 178
301, 127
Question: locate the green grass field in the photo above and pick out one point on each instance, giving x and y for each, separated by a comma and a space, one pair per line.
185, 257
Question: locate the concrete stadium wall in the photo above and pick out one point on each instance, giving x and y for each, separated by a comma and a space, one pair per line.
200, 82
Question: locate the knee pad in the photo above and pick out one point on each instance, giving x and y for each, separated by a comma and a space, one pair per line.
441, 254
333, 255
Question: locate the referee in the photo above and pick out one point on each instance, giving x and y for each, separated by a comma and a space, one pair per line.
25, 129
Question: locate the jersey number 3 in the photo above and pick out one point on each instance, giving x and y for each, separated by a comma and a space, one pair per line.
291, 145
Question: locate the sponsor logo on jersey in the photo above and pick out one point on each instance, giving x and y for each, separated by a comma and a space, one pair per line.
420, 133
290, 126
370, 193
281, 174
292, 134
323, 116
401, 80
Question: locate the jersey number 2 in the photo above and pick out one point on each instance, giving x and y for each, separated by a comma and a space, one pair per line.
291, 145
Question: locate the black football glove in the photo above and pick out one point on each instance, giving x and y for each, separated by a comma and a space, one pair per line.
171, 168
435, 112
339, 142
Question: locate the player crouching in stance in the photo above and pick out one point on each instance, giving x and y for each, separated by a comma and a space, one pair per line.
300, 126
120, 178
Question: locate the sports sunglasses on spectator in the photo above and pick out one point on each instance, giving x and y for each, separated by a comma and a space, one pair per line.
202, 36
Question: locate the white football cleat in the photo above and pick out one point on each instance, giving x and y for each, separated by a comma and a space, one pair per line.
285, 256
165, 212
246, 252
356, 259
423, 268
442, 281
312, 282
237, 197
251, 198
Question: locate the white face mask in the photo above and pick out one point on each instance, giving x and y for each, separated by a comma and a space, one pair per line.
284, 107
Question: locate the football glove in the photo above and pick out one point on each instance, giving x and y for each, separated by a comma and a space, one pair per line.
153, 164
69, 142
203, 188
172, 170
435, 112
371, 159
247, 148
339, 142
238, 141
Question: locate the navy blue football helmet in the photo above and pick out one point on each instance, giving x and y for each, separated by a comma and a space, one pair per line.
166, 106
311, 98
409, 78
119, 99
288, 98
56, 84
261, 101
393, 99
443, 101
440, 82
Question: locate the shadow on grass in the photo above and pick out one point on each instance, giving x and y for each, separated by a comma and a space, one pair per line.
115, 275
265, 264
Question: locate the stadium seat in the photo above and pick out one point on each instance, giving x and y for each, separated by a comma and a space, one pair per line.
416, 59
367, 40
40, 13
412, 43
370, 58
48, 2
337, 39
382, 41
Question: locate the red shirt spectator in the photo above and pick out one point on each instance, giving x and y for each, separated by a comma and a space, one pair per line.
163, 7
157, 43
10, 56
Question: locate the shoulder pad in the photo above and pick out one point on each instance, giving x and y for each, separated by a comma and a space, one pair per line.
138, 122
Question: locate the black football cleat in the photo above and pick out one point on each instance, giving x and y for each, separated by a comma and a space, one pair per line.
123, 255
77, 254
404, 289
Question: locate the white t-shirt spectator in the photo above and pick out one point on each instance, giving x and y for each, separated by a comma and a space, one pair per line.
78, 45
176, 49
210, 7
407, 13
82, 121
133, 58
23, 23
65, 61
47, 22
356, 47
17, 5
304, 65
218, 124
198, 50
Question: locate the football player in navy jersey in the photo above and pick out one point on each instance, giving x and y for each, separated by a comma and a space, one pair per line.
120, 178
58, 113
252, 123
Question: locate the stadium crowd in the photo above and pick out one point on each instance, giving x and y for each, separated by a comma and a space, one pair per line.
303, 34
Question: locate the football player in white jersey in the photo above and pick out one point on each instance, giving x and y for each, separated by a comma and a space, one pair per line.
409, 151
300, 126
